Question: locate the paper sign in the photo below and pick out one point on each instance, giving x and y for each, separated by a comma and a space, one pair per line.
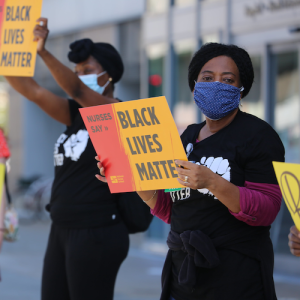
137, 142
17, 48
288, 176
2, 176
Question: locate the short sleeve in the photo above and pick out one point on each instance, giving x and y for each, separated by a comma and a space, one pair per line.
73, 106
264, 148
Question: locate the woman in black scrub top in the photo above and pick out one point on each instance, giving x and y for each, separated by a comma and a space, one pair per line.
88, 241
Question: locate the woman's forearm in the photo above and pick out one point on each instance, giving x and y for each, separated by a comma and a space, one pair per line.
149, 197
64, 76
200, 177
26, 86
163, 206
225, 192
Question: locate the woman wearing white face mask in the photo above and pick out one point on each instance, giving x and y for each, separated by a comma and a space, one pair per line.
88, 241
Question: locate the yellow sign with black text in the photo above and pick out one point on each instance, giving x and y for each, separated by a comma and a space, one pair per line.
17, 48
137, 142
288, 176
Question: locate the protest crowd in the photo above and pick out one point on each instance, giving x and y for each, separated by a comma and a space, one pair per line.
215, 184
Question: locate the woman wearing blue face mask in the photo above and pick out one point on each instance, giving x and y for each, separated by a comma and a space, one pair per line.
220, 247
88, 241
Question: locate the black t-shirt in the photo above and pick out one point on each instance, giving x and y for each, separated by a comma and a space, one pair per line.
78, 199
242, 151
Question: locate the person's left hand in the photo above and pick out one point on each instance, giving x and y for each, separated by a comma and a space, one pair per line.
194, 176
40, 33
294, 241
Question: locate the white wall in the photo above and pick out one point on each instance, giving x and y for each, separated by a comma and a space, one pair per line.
75, 15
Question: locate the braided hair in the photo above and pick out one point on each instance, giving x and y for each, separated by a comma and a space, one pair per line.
212, 50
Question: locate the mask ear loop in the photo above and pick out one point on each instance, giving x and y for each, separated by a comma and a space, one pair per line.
195, 84
241, 89
107, 83
102, 73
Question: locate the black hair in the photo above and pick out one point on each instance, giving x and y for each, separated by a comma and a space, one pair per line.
212, 50
106, 55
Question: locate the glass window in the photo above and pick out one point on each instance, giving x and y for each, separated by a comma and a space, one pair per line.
156, 67
287, 103
287, 124
157, 6
185, 110
184, 2
211, 38
253, 103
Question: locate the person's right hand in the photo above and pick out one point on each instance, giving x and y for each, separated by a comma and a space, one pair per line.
41, 33
100, 177
294, 241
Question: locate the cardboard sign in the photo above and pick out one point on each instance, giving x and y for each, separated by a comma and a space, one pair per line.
288, 176
137, 142
2, 175
17, 48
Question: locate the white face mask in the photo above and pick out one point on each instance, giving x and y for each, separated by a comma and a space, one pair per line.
91, 81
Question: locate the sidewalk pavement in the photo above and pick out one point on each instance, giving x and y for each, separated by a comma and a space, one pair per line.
138, 279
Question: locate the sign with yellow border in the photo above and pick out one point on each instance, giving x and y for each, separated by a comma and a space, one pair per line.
137, 142
288, 176
17, 48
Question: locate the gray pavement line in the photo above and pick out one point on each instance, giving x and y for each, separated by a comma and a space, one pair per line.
286, 278
133, 252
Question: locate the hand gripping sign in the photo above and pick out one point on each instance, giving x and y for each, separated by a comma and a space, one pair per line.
137, 142
17, 48
288, 176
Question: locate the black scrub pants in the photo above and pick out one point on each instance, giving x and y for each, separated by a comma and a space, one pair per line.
82, 264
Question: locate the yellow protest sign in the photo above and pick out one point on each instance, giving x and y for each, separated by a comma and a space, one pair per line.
137, 142
288, 176
2, 175
17, 48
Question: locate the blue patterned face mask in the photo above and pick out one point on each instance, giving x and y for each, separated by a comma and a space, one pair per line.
216, 99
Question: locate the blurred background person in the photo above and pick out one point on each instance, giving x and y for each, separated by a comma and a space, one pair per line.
4, 156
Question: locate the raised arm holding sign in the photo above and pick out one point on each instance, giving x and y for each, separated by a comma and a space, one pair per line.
55, 106
78, 202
